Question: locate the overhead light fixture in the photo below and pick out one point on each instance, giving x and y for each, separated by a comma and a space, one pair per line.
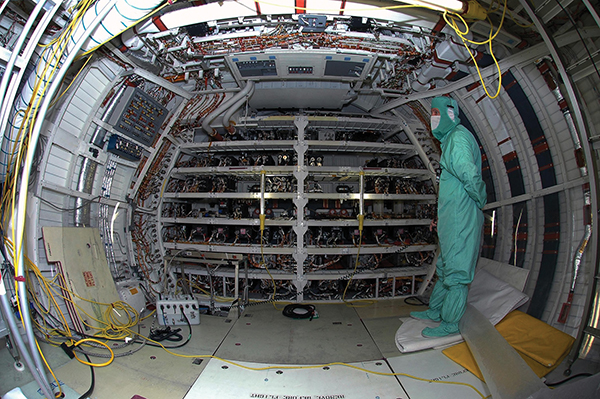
470, 9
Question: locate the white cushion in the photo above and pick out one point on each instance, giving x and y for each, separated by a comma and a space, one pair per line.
491, 296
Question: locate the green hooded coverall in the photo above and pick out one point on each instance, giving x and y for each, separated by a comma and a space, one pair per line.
462, 194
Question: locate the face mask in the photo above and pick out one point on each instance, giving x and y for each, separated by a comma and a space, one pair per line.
435, 121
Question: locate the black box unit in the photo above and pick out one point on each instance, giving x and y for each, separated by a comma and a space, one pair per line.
124, 148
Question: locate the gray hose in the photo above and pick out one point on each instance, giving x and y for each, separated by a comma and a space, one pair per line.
16, 336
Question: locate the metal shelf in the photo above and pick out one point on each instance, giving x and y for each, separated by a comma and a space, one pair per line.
238, 146
347, 168
347, 172
254, 196
190, 267
362, 147
383, 197
368, 222
228, 248
368, 249
234, 170
228, 221
311, 250
386, 272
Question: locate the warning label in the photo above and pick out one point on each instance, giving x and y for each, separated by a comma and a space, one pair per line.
89, 279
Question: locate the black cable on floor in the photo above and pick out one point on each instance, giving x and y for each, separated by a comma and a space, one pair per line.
299, 311
418, 301
554, 384
182, 344
93, 383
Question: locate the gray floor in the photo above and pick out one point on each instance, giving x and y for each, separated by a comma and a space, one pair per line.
260, 335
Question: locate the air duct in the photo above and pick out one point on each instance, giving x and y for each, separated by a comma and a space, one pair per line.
224, 107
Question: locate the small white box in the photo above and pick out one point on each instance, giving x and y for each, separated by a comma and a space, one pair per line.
173, 311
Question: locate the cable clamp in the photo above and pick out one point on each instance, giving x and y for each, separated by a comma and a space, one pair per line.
20, 279
68, 350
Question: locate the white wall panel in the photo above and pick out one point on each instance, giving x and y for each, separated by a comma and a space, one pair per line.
57, 166
73, 119
121, 182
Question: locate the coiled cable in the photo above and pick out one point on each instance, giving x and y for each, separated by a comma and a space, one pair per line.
300, 311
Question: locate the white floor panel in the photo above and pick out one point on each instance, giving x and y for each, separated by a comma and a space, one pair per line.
434, 365
221, 380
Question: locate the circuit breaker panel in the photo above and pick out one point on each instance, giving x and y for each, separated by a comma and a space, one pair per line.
138, 116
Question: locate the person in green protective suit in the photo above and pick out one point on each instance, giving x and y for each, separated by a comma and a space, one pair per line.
462, 195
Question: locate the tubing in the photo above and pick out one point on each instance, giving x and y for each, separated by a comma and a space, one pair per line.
15, 81
444, 55
11, 63
225, 106
21, 213
119, 17
16, 335
108, 112
229, 113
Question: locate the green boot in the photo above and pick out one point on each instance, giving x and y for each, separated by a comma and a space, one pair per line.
428, 314
444, 329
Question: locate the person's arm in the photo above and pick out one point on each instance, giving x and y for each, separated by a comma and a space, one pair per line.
465, 168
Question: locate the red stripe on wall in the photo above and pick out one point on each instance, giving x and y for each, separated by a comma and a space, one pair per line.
159, 23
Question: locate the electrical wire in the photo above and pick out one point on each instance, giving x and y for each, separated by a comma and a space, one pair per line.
60, 392
554, 384
156, 342
72, 81
418, 301
87, 202
281, 367
345, 9
88, 393
450, 19
81, 341
299, 311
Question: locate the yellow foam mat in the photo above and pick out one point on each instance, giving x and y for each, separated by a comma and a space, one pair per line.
542, 346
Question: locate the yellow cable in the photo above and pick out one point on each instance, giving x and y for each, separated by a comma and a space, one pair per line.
81, 341
69, 86
337, 10
461, 34
363, 302
60, 392
479, 71
308, 367
112, 324
218, 298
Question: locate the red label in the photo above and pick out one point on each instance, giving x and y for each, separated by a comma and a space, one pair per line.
89, 279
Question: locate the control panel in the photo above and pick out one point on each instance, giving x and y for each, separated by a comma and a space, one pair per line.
138, 116
257, 68
124, 148
297, 65
173, 311
300, 70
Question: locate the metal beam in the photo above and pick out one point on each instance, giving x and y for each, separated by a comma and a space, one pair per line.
592, 11
537, 194
524, 57
590, 157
